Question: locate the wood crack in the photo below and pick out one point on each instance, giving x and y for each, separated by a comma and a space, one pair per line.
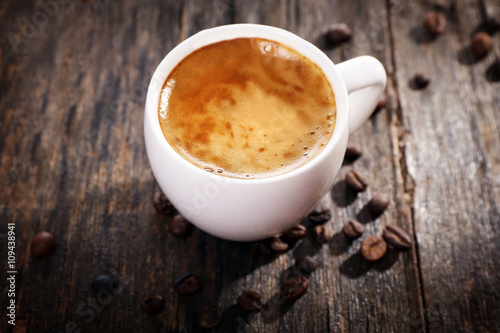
399, 136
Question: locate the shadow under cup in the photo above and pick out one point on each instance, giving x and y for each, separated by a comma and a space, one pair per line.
244, 209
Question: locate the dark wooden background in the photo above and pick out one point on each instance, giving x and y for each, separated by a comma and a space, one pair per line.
73, 79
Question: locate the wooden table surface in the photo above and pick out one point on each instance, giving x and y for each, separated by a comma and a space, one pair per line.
73, 79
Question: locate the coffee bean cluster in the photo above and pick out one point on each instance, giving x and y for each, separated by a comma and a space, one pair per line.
295, 286
372, 248
480, 44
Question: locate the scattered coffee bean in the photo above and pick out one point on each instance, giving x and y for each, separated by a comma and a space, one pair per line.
104, 282
338, 33
186, 284
278, 246
353, 151
42, 244
322, 233
355, 180
353, 229
397, 237
250, 301
379, 203
294, 234
153, 304
307, 265
493, 22
162, 204
382, 103
435, 22
481, 44
179, 226
421, 80
209, 316
373, 248
320, 214
294, 288
261, 249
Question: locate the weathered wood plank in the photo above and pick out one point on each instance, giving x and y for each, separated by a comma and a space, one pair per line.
73, 160
451, 155
347, 294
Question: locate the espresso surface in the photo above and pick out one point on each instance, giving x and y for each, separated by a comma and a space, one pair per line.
247, 108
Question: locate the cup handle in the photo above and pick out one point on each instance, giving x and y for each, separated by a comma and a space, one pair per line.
365, 80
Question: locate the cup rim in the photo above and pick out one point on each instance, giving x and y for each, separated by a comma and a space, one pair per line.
249, 30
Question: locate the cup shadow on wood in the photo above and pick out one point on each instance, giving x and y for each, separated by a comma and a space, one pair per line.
355, 266
275, 307
306, 247
342, 195
237, 260
420, 35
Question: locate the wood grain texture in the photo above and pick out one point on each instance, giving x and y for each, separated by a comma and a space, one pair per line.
451, 151
73, 80
355, 295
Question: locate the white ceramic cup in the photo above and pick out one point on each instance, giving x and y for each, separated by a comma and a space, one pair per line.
252, 209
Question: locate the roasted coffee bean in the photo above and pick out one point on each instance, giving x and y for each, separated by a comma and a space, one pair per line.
261, 249
382, 103
209, 316
294, 288
250, 301
104, 282
493, 22
320, 214
353, 229
162, 204
294, 234
355, 180
153, 304
397, 237
379, 203
338, 33
481, 44
307, 264
322, 233
373, 248
179, 226
435, 23
353, 151
186, 284
42, 244
421, 80
278, 246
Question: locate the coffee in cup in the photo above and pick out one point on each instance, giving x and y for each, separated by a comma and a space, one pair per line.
247, 108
